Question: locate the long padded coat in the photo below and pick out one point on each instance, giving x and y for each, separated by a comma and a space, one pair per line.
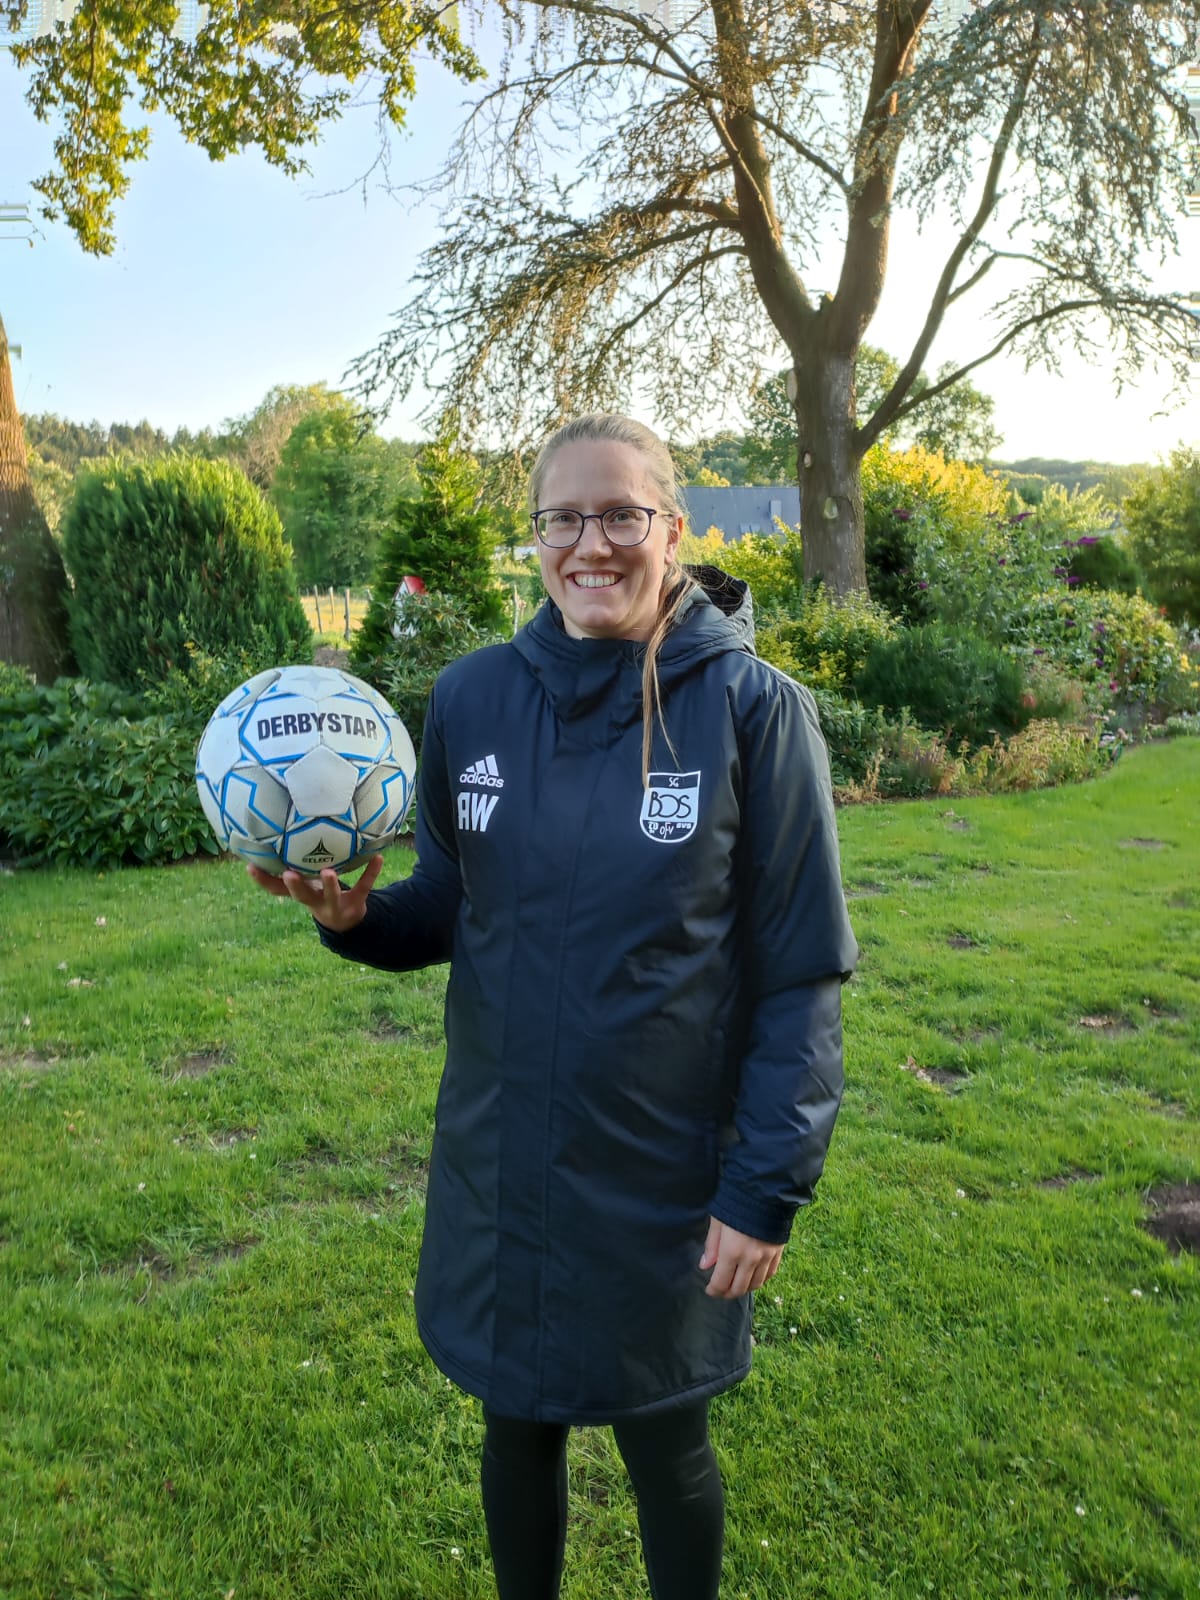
643, 1022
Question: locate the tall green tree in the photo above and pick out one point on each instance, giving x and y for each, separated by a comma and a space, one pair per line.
272, 76
336, 489
734, 147
33, 580
443, 537
640, 200
1162, 514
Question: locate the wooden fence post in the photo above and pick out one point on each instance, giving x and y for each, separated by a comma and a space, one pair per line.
317, 603
347, 616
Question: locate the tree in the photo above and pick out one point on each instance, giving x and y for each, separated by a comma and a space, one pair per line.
442, 537
245, 78
335, 489
1162, 513
712, 157
724, 148
33, 580
256, 441
956, 421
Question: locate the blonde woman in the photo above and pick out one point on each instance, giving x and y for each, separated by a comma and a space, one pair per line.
627, 853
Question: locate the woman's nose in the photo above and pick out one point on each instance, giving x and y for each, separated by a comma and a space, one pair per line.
592, 539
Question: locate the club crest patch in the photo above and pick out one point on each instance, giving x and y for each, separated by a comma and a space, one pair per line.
670, 806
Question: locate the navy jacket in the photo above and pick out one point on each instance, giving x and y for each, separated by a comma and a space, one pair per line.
643, 1021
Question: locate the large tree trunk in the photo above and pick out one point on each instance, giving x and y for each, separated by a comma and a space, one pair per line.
828, 469
33, 580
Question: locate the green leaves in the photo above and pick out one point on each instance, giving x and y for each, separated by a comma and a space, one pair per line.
246, 78
173, 555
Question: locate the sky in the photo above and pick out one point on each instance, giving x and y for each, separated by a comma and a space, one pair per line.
230, 278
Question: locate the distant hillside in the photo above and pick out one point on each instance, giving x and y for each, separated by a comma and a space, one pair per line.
1110, 476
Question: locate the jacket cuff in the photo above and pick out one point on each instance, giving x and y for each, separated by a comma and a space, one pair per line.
768, 1220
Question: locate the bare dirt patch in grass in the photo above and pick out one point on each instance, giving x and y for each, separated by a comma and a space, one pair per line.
962, 941
27, 1061
948, 1079
198, 1064
1175, 1216
151, 1270
1063, 1180
1107, 1024
864, 891
1142, 844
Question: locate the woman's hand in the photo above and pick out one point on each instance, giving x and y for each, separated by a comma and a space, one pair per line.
739, 1262
335, 908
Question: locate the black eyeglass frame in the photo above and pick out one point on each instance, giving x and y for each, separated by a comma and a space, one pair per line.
598, 516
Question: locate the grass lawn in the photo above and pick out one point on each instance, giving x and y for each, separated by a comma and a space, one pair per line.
978, 1374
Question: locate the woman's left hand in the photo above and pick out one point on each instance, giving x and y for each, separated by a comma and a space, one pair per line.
739, 1262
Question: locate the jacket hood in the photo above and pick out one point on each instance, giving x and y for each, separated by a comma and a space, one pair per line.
601, 679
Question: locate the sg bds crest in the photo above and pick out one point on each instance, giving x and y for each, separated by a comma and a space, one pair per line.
670, 806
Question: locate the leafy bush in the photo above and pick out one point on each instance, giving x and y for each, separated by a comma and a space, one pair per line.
921, 512
771, 563
1118, 643
1043, 754
438, 629
825, 644
88, 779
174, 555
1103, 562
1162, 513
954, 683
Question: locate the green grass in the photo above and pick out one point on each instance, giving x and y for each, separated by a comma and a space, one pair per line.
975, 1384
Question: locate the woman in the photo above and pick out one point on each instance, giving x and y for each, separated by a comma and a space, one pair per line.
627, 852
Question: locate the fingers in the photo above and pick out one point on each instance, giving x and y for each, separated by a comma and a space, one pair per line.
711, 1244
742, 1263
323, 897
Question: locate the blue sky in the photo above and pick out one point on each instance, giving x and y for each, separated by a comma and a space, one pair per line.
230, 278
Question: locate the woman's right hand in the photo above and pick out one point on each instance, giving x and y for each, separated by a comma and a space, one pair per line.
335, 908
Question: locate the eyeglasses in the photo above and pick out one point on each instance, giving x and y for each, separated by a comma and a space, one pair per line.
622, 525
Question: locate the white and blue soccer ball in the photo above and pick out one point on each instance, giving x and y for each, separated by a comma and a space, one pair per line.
305, 768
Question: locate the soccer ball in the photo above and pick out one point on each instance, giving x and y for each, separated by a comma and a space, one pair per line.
305, 768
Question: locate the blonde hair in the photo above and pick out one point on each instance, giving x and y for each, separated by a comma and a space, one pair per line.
677, 585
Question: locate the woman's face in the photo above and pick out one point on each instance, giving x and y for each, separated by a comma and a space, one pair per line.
605, 591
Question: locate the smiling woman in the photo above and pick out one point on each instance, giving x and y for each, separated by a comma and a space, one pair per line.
647, 936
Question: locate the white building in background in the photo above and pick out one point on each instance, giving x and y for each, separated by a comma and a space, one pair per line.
43, 16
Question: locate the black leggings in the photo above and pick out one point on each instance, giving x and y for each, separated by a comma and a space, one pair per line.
681, 1508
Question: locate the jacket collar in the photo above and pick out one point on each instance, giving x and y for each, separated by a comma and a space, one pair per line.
600, 680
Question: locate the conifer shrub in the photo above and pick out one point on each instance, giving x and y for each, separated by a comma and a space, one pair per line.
174, 555
954, 683
444, 538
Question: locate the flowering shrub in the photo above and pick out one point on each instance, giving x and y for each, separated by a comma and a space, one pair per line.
920, 511
1116, 642
826, 643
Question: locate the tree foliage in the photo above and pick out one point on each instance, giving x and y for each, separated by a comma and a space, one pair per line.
172, 556
1162, 513
335, 489
726, 150
271, 76
441, 536
639, 204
